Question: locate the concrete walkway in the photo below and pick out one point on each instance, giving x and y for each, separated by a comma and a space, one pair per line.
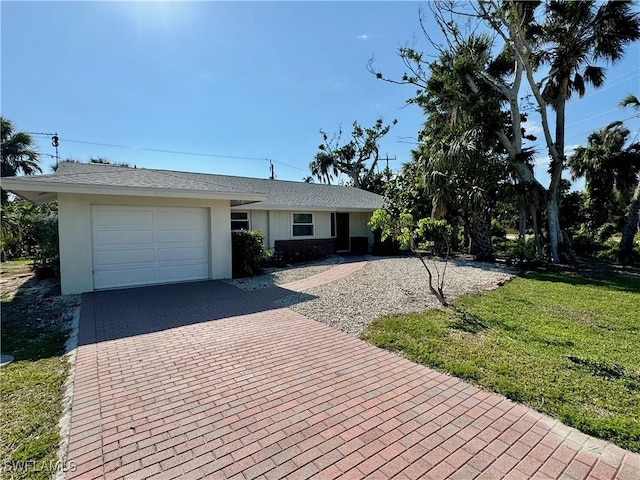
203, 380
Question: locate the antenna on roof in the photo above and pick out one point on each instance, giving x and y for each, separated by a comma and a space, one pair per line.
273, 175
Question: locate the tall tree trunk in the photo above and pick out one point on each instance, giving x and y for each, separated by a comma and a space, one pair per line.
625, 253
455, 229
537, 237
556, 238
522, 224
480, 233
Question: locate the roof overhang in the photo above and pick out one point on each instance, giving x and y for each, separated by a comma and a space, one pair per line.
303, 208
41, 192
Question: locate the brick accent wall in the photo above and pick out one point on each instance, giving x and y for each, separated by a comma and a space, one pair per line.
303, 250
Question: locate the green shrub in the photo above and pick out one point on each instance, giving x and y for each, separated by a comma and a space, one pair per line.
434, 236
585, 244
45, 235
497, 229
524, 254
605, 232
247, 251
30, 231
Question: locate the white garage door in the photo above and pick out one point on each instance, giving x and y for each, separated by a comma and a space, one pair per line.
147, 245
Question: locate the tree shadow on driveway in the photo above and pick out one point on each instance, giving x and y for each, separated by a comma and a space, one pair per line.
113, 314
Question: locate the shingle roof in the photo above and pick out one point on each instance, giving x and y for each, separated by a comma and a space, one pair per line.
283, 194
279, 194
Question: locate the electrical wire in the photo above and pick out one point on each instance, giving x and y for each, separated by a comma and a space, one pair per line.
174, 152
621, 80
595, 116
591, 131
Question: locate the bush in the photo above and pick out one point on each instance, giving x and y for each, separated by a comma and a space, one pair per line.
585, 244
247, 251
434, 236
524, 255
45, 235
30, 231
605, 232
497, 230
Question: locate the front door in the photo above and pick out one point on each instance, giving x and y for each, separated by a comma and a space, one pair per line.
342, 231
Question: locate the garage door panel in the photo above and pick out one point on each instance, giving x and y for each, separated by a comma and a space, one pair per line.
180, 254
119, 238
170, 244
122, 217
134, 276
173, 217
116, 258
181, 236
180, 272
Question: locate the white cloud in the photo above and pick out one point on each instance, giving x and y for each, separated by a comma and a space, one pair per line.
570, 149
541, 161
532, 128
364, 36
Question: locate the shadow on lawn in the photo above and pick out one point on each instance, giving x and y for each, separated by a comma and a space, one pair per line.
35, 324
610, 281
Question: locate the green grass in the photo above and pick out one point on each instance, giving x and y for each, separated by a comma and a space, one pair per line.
34, 331
564, 345
30, 393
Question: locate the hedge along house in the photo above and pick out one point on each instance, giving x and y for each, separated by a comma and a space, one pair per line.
122, 227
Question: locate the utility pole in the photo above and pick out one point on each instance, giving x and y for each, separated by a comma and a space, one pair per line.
273, 175
387, 170
55, 142
387, 159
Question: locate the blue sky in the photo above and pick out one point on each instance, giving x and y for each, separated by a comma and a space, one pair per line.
238, 79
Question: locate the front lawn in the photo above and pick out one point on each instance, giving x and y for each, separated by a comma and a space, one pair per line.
565, 345
35, 326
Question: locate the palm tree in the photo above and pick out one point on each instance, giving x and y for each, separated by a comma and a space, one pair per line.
464, 176
609, 169
630, 101
578, 33
625, 254
463, 161
18, 152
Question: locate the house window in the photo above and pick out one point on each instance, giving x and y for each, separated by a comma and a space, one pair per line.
303, 224
333, 224
239, 221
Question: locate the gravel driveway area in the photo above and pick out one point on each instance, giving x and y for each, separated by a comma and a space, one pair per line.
280, 276
390, 285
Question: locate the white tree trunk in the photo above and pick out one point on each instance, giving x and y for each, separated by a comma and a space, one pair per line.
630, 228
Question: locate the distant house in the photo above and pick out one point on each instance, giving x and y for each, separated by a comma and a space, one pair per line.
124, 226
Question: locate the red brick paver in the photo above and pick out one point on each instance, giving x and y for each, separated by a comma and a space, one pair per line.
333, 274
203, 380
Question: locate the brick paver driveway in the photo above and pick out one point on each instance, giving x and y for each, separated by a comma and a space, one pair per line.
203, 380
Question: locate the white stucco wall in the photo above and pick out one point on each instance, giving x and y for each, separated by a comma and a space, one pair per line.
74, 216
358, 225
260, 221
278, 224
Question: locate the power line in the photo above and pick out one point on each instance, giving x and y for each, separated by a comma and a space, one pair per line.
595, 116
55, 142
608, 87
174, 152
590, 131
